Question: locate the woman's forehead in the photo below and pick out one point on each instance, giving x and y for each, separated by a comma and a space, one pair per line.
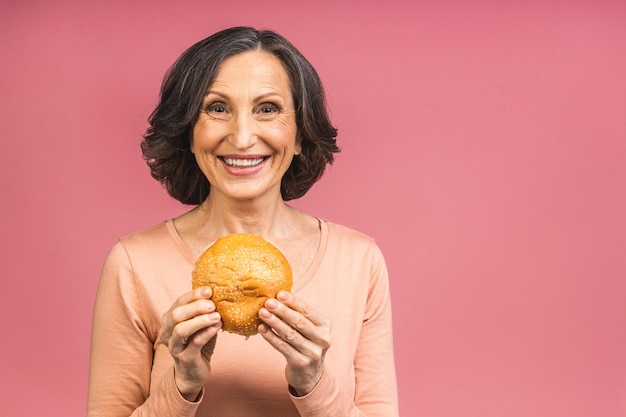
253, 72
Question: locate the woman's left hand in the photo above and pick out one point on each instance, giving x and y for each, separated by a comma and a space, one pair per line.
301, 334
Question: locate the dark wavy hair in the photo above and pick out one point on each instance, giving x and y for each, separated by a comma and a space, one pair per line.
166, 145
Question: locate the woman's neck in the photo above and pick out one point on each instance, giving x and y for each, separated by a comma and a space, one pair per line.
289, 229
218, 216
262, 218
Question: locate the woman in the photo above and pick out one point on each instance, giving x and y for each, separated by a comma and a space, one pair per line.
241, 127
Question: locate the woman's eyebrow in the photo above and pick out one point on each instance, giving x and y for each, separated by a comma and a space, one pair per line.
215, 93
257, 99
267, 95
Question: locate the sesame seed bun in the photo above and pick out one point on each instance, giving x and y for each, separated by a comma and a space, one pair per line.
243, 271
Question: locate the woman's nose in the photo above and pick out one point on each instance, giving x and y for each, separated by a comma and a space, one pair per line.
243, 131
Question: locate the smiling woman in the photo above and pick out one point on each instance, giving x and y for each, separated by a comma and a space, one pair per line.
183, 100
241, 128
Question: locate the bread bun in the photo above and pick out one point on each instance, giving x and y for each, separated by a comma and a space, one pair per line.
243, 271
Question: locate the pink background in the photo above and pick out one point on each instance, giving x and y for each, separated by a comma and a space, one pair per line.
484, 147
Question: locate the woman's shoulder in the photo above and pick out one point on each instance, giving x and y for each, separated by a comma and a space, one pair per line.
149, 234
159, 238
345, 245
341, 234
156, 246
346, 232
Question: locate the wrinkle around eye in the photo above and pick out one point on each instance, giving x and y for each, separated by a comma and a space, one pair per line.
211, 112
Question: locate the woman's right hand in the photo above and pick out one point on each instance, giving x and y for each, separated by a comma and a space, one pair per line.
189, 330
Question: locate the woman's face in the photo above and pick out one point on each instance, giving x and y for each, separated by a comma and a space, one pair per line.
246, 133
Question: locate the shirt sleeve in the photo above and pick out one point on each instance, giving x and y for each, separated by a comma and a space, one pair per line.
376, 386
122, 351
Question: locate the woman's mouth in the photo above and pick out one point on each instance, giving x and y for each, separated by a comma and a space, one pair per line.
242, 162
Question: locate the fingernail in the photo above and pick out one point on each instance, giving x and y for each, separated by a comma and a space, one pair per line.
271, 304
206, 292
282, 295
265, 314
263, 328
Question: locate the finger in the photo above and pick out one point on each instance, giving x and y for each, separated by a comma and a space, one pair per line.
184, 331
195, 294
175, 331
185, 312
204, 340
283, 328
286, 321
289, 341
290, 352
302, 307
180, 313
300, 316
175, 314
192, 332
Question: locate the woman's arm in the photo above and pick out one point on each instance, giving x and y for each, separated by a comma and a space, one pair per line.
303, 337
122, 349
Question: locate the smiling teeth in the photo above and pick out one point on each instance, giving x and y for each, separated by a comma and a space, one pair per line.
242, 163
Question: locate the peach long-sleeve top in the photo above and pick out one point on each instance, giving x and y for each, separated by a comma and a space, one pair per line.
132, 372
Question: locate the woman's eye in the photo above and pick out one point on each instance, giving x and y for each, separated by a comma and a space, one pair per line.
267, 111
216, 108
268, 108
